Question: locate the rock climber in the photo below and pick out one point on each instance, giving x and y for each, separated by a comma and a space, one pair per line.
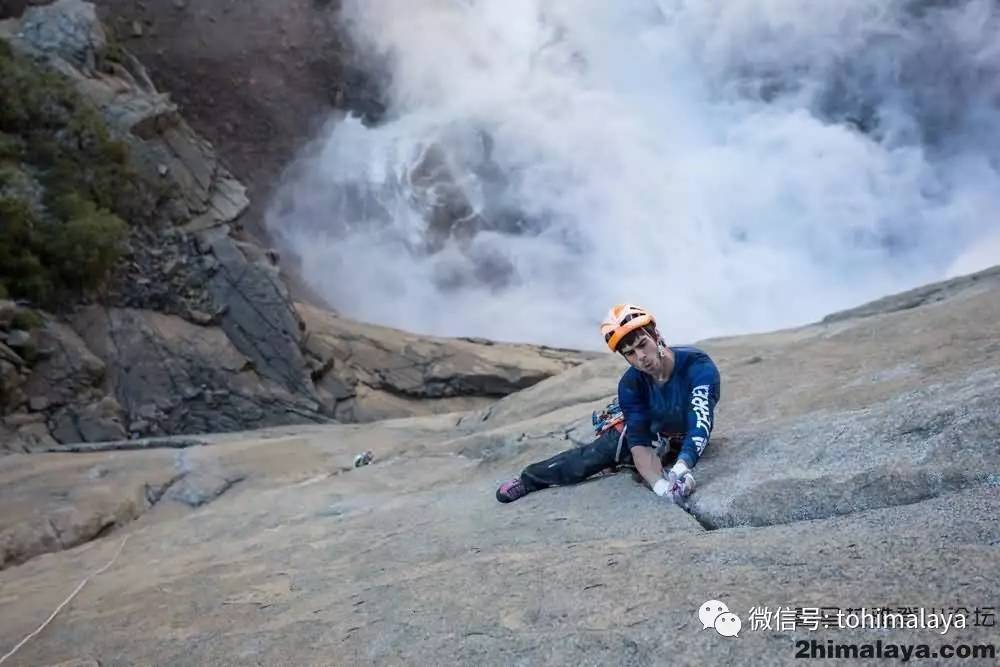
662, 416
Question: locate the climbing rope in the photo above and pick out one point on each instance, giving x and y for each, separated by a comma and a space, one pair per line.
65, 602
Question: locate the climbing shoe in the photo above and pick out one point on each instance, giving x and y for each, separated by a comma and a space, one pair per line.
512, 490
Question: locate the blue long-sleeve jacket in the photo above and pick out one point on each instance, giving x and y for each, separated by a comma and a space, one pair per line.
685, 404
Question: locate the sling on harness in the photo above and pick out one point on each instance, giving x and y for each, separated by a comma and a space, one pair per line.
611, 417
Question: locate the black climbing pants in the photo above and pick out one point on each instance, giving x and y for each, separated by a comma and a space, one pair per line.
577, 464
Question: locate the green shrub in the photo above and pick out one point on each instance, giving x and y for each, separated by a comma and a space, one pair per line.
21, 271
12, 147
68, 138
46, 261
89, 191
26, 319
81, 250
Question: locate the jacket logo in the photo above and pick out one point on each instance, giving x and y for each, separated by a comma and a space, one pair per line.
701, 408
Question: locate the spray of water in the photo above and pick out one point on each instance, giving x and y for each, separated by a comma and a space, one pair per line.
732, 165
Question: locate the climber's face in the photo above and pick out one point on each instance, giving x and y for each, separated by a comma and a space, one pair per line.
647, 353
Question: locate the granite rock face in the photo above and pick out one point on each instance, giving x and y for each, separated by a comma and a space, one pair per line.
853, 464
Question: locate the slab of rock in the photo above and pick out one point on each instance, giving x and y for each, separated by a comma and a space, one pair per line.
853, 464
594, 382
94, 422
818, 421
83, 496
365, 404
35, 437
988, 279
68, 371
258, 316
176, 377
371, 372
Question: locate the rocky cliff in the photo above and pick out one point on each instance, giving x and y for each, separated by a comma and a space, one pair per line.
256, 78
854, 463
193, 328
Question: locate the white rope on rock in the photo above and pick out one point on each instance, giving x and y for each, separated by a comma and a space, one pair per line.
65, 602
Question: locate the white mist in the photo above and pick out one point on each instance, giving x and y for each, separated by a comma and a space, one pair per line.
732, 165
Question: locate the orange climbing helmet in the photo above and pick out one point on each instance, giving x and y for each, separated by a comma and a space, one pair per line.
622, 320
